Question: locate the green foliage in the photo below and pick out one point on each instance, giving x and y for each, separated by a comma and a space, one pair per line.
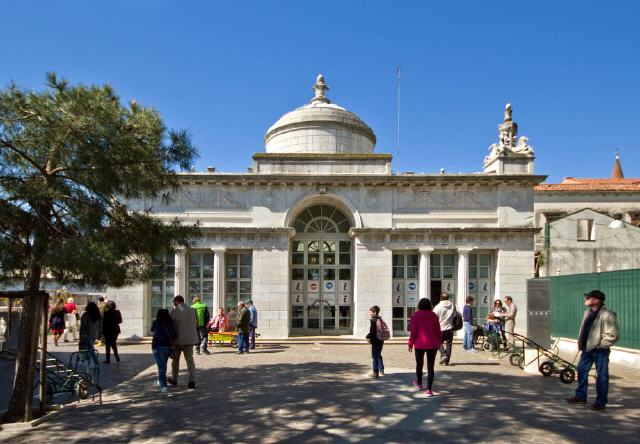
69, 157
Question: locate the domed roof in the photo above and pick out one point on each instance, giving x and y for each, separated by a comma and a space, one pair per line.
320, 127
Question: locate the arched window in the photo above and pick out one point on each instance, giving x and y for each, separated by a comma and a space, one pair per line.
321, 219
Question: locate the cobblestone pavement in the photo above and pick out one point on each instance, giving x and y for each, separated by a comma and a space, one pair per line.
317, 393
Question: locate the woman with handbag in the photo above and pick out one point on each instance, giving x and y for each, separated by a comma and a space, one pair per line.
425, 338
164, 334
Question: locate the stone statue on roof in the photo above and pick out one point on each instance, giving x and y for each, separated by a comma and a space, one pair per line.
508, 142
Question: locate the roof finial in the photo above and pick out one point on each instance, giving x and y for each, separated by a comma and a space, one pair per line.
617, 168
319, 88
507, 113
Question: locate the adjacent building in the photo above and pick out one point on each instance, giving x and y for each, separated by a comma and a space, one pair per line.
588, 225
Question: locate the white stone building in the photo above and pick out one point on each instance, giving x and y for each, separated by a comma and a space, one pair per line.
320, 229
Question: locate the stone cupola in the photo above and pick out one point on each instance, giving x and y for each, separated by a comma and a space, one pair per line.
320, 127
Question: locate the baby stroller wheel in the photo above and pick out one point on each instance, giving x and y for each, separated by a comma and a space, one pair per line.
234, 342
513, 359
546, 368
487, 346
480, 341
82, 389
521, 362
567, 375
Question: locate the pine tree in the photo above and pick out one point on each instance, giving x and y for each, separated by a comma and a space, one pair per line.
71, 156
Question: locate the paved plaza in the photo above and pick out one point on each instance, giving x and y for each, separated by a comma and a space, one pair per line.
319, 393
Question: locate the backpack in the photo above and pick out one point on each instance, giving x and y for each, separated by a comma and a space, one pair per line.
382, 330
456, 321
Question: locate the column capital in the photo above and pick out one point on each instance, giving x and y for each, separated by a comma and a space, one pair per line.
465, 250
426, 249
218, 250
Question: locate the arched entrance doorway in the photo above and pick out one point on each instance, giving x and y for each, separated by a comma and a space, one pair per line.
321, 273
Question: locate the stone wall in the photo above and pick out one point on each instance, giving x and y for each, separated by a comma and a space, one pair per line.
270, 292
513, 269
133, 305
372, 286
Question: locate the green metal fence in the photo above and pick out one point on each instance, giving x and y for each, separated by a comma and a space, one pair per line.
622, 289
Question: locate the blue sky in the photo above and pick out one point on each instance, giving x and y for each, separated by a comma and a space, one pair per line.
226, 71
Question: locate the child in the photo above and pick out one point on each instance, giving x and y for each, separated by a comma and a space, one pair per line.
376, 343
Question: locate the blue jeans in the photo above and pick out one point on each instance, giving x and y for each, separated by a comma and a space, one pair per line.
601, 358
161, 354
203, 336
376, 356
467, 340
243, 342
251, 340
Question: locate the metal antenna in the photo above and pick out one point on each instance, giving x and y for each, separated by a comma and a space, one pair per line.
398, 76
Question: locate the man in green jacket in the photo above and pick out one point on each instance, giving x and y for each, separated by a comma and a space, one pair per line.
599, 331
202, 313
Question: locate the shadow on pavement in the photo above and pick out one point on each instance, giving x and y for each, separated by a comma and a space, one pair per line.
331, 402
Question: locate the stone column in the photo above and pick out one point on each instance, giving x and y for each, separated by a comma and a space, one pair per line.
180, 283
463, 277
218, 279
425, 273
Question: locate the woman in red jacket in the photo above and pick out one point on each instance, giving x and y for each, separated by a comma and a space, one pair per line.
425, 338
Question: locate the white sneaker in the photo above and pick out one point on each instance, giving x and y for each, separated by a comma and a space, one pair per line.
472, 350
163, 390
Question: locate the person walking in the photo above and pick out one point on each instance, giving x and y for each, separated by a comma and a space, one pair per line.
71, 320
598, 332
376, 329
424, 336
202, 313
57, 321
185, 321
510, 319
467, 325
164, 334
253, 324
445, 310
102, 306
111, 321
243, 328
90, 330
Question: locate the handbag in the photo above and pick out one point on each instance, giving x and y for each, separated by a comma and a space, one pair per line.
456, 321
175, 350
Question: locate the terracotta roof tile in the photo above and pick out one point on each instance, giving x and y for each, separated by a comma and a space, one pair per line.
589, 186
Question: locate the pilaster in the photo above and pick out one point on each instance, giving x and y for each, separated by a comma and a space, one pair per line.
425, 272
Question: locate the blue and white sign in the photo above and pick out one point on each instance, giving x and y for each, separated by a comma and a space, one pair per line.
412, 287
329, 286
473, 288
